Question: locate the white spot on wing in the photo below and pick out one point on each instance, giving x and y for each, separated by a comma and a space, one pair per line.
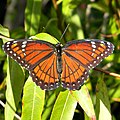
87, 40
15, 54
51, 85
78, 81
98, 57
68, 84
91, 65
106, 52
11, 52
23, 50
57, 83
22, 61
108, 43
40, 82
73, 84
92, 54
25, 42
92, 42
94, 46
82, 78
19, 58
8, 49
15, 41
45, 85
85, 73
24, 54
23, 46
102, 42
8, 43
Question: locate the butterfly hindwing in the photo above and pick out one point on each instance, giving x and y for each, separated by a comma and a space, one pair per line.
73, 74
45, 73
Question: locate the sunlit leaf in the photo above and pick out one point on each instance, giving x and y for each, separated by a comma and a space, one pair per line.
104, 112
32, 16
64, 107
14, 88
33, 101
102, 97
83, 98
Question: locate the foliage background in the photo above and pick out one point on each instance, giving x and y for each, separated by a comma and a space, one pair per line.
88, 19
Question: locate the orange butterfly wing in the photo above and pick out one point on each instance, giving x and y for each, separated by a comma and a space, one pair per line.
45, 73
79, 57
43, 60
39, 57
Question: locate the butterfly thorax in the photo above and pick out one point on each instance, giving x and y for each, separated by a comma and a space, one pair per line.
59, 60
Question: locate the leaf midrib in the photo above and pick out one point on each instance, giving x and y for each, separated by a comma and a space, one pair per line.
33, 105
64, 106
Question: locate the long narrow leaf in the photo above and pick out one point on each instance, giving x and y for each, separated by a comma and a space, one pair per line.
32, 15
33, 101
13, 82
83, 98
104, 113
102, 100
14, 88
72, 17
64, 107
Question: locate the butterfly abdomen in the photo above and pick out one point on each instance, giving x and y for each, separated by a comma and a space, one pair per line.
59, 60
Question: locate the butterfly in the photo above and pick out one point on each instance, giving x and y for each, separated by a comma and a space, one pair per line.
53, 65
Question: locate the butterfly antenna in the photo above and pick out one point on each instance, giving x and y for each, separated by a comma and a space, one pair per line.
64, 31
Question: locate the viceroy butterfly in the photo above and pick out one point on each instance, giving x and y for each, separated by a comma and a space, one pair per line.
51, 65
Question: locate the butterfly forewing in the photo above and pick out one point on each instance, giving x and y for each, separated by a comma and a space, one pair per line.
78, 57
39, 58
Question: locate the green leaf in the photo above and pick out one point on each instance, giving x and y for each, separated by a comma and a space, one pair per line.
113, 26
66, 9
114, 92
76, 27
13, 82
50, 100
102, 99
46, 37
4, 31
101, 6
64, 107
72, 17
33, 101
14, 88
104, 113
32, 16
83, 98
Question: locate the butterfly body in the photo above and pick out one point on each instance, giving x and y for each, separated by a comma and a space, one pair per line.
59, 60
51, 65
